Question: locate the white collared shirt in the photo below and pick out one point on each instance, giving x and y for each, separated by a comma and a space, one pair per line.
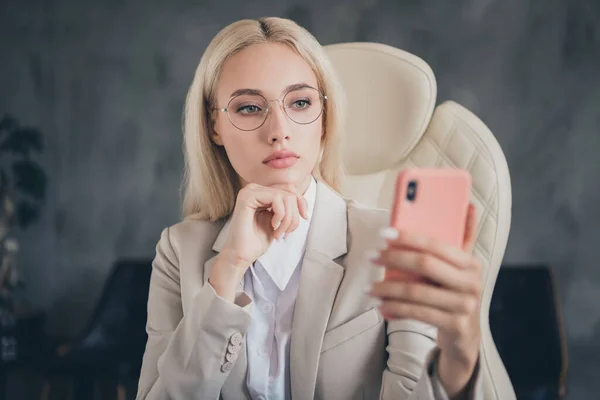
272, 284
282, 257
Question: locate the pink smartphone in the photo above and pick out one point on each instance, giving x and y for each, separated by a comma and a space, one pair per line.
431, 201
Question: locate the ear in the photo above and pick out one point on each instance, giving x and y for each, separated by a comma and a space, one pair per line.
216, 138
214, 135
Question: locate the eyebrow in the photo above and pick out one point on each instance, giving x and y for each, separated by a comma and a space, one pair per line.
288, 88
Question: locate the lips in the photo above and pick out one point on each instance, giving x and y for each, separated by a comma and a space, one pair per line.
280, 154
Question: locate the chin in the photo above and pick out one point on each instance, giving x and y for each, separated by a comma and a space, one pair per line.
289, 175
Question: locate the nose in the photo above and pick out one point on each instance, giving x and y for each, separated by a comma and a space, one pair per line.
278, 124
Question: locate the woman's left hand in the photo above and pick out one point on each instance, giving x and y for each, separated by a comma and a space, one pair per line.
448, 296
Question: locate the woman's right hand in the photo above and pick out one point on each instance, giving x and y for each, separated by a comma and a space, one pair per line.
260, 215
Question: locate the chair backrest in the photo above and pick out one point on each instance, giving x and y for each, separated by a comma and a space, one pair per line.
117, 326
393, 123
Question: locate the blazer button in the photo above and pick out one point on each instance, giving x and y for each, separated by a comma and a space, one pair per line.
231, 356
236, 339
227, 366
233, 349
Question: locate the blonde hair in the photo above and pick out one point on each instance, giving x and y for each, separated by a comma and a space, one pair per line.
210, 183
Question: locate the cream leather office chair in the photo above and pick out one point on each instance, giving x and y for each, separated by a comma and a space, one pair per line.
393, 123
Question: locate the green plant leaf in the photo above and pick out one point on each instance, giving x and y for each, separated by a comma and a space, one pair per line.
27, 213
3, 180
30, 178
8, 123
6, 126
23, 141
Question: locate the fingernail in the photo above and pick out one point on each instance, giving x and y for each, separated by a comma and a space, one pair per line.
389, 233
381, 245
277, 225
372, 255
377, 303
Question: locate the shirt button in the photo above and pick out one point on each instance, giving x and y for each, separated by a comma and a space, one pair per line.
263, 352
266, 308
271, 379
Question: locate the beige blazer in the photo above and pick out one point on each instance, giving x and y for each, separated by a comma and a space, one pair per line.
341, 348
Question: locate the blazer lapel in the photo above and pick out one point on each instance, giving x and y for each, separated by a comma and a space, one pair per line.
320, 278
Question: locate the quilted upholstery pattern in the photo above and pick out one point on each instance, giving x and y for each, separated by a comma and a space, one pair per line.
457, 138
454, 137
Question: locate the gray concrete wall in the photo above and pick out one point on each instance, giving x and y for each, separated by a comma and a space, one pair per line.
106, 82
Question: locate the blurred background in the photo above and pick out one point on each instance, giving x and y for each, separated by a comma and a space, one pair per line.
102, 85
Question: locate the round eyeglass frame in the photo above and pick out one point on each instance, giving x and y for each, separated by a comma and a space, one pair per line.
280, 101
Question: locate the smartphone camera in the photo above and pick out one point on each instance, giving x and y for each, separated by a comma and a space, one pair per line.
411, 192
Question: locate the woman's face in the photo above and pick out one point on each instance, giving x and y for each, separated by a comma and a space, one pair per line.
269, 70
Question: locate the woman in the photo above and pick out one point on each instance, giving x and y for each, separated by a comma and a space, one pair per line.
260, 292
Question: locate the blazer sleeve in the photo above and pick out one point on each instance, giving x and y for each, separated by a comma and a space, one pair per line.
185, 353
410, 373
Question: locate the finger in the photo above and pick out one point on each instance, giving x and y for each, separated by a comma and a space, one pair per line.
259, 196
422, 243
431, 268
303, 207
443, 320
470, 229
302, 203
424, 294
294, 225
278, 209
296, 215
285, 221
271, 200
291, 212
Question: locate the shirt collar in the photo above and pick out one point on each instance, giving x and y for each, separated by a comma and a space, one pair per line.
310, 195
283, 256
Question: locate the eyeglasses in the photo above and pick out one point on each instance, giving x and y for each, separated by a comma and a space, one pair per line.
248, 112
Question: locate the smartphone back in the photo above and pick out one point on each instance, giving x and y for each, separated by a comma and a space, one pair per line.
433, 202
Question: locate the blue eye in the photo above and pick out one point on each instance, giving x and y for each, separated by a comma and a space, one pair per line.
300, 104
249, 109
